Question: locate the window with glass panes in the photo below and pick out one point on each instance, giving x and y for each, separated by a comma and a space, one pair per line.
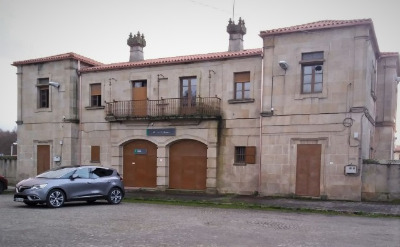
43, 93
242, 85
312, 72
95, 94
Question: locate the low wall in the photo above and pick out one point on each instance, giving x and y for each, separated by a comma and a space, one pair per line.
381, 181
8, 168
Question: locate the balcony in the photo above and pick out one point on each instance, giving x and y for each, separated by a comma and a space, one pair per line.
173, 108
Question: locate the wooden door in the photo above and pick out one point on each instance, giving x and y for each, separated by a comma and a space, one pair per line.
188, 165
43, 158
308, 170
140, 164
139, 97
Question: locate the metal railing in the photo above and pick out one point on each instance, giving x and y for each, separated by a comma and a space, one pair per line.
208, 107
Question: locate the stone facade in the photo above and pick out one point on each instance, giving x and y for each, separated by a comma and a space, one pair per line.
350, 116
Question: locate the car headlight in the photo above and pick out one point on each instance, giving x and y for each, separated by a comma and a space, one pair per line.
38, 186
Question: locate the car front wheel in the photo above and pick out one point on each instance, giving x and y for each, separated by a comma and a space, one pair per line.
114, 196
55, 198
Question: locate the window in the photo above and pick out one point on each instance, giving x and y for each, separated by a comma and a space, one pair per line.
82, 172
43, 93
138, 84
95, 154
188, 87
95, 95
242, 85
101, 172
312, 72
245, 155
188, 91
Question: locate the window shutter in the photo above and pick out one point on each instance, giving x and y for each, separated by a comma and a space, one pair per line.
95, 89
250, 155
95, 154
242, 77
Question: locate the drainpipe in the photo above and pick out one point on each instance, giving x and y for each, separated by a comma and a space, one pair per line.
80, 114
261, 118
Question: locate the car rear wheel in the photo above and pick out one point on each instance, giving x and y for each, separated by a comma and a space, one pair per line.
55, 198
114, 196
1, 187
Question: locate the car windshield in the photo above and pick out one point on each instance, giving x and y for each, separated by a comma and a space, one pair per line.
64, 172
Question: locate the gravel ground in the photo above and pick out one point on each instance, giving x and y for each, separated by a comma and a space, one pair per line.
140, 224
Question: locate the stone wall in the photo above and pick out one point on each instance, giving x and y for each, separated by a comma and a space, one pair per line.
8, 168
381, 181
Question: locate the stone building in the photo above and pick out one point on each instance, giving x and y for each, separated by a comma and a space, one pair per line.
295, 117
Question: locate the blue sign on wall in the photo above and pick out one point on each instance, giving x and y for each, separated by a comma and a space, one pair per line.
140, 151
161, 132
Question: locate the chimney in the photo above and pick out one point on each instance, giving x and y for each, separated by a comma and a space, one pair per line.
236, 33
136, 43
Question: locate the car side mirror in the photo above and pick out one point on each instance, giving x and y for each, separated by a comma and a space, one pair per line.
74, 176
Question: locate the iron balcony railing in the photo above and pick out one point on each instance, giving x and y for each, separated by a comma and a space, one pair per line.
172, 108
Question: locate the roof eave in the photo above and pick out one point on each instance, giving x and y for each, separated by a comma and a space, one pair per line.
165, 61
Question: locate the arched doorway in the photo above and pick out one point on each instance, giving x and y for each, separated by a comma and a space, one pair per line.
140, 164
188, 165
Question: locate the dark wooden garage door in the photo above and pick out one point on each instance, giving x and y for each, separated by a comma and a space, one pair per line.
308, 170
140, 164
43, 158
188, 165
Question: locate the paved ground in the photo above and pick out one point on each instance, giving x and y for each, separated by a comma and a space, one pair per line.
142, 224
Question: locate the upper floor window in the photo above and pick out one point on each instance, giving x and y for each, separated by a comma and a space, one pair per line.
43, 93
242, 85
95, 95
188, 88
312, 72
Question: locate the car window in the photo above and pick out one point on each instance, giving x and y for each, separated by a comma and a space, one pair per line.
62, 172
82, 172
101, 172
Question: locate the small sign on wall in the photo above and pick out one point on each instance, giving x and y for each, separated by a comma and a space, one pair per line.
140, 151
161, 132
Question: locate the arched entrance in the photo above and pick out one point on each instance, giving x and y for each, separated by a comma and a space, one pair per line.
140, 164
188, 165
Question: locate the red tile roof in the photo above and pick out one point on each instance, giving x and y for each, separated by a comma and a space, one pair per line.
389, 54
177, 60
69, 55
326, 24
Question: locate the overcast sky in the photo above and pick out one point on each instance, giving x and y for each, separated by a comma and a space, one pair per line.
98, 29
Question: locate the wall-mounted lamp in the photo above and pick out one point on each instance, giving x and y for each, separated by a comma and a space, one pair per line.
284, 65
209, 73
54, 84
160, 77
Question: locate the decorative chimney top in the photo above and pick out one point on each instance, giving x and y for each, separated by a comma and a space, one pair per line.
137, 42
236, 32
240, 28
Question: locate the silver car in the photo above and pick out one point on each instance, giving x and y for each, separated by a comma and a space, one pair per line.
71, 183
